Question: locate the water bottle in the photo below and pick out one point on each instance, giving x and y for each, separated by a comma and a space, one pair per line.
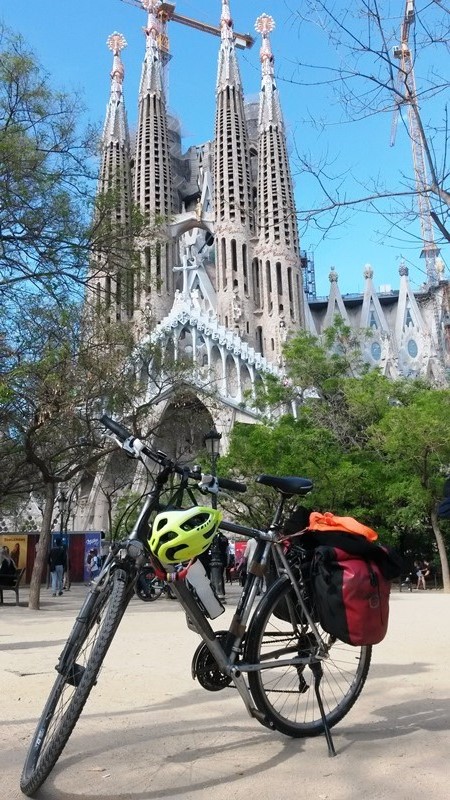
198, 580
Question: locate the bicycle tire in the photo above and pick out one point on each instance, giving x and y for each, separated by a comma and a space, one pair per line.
283, 693
148, 589
78, 669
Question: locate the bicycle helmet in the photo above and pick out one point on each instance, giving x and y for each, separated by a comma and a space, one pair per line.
181, 535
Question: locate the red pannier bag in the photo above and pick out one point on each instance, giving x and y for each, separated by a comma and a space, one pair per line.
351, 595
351, 578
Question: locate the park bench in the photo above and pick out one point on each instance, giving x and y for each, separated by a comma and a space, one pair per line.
11, 583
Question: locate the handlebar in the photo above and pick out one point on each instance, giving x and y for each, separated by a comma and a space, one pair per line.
134, 446
116, 428
233, 486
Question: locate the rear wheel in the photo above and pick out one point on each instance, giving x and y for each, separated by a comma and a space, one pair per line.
286, 693
78, 668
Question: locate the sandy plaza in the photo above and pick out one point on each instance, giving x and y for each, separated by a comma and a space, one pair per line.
149, 732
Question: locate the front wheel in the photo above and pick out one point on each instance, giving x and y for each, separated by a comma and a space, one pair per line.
285, 693
78, 668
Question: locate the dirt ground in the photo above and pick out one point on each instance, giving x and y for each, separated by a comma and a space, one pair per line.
149, 732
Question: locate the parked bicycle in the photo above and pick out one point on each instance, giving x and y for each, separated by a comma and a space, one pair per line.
150, 587
291, 675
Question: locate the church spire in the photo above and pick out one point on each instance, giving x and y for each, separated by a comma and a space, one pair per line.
115, 122
270, 109
153, 189
233, 206
278, 246
152, 174
228, 70
114, 280
152, 68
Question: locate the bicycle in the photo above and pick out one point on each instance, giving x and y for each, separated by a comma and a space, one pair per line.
290, 674
150, 587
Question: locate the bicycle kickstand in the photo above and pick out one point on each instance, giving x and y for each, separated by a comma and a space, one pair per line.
317, 671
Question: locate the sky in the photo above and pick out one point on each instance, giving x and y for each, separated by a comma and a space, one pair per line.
69, 39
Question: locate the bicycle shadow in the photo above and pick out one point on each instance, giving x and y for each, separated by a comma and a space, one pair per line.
393, 670
402, 719
226, 748
232, 751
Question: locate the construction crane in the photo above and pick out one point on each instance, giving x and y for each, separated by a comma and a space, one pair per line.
166, 13
406, 84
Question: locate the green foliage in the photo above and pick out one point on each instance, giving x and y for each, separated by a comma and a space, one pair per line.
44, 178
375, 449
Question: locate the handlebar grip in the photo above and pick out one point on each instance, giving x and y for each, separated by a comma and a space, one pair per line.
233, 486
115, 427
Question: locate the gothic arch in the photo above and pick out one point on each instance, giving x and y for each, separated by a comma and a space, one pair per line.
231, 373
216, 364
183, 425
246, 379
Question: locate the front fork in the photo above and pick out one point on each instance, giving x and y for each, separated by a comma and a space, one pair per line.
87, 614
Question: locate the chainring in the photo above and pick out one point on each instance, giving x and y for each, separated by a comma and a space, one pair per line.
206, 670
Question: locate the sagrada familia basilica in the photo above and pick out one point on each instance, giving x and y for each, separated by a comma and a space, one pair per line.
227, 282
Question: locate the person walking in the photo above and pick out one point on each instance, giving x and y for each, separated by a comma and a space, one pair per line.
57, 561
418, 566
94, 562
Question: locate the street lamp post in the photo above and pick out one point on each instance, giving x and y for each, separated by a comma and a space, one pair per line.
62, 501
211, 441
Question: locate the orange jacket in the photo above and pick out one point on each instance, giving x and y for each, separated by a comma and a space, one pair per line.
329, 522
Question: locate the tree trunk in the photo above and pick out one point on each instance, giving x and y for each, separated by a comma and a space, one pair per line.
40, 562
442, 551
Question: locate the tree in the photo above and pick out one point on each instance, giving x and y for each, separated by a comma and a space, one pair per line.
414, 440
368, 66
51, 221
60, 376
375, 449
65, 355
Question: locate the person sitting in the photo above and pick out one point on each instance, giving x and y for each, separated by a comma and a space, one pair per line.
7, 566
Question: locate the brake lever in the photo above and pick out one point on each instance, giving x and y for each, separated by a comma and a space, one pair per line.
209, 484
128, 447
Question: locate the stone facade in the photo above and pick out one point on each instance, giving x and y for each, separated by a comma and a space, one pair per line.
223, 282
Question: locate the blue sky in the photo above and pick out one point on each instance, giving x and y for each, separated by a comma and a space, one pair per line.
70, 41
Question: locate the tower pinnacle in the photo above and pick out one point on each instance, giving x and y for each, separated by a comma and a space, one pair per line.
228, 70
116, 128
226, 22
152, 79
116, 43
152, 167
270, 111
232, 181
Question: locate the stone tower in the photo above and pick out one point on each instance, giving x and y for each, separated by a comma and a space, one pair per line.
111, 275
224, 211
276, 267
234, 217
153, 174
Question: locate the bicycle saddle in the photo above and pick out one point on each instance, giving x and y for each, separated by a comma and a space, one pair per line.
288, 485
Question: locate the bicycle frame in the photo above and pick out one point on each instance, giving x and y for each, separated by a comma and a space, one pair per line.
135, 549
225, 655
